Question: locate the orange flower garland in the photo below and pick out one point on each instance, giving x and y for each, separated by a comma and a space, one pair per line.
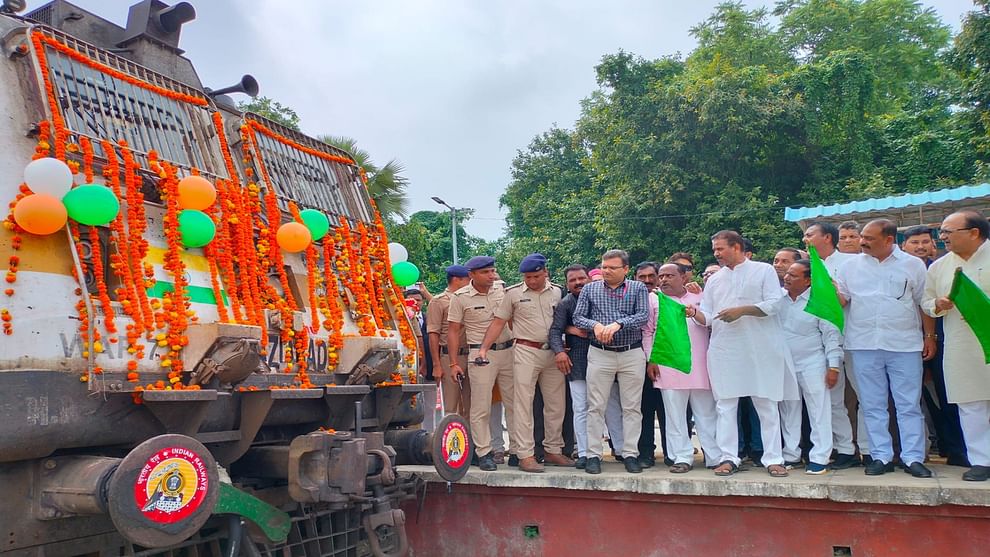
39, 38
258, 126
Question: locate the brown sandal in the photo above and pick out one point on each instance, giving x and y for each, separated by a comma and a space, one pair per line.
777, 471
726, 468
681, 468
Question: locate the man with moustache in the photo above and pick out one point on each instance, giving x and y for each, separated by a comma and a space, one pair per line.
849, 237
783, 260
472, 311
945, 416
652, 404
456, 395
883, 288
679, 390
529, 306
824, 237
740, 302
967, 376
815, 346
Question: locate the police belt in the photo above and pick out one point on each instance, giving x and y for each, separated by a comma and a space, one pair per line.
462, 351
499, 346
623, 348
533, 344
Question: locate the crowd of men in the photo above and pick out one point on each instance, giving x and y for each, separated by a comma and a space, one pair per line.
766, 383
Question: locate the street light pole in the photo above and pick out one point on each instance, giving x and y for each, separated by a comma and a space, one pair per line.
453, 225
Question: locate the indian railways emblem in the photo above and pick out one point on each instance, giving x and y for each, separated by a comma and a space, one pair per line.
455, 445
171, 485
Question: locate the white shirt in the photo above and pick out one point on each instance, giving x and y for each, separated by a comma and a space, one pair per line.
814, 343
836, 260
747, 357
884, 302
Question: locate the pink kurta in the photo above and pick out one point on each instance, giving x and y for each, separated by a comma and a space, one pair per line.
671, 378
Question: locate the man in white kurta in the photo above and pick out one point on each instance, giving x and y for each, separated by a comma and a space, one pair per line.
746, 355
683, 390
817, 353
825, 237
967, 376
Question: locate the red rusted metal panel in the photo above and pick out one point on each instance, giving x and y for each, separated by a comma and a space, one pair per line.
481, 521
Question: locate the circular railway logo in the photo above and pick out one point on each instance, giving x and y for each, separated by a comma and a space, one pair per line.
171, 485
454, 449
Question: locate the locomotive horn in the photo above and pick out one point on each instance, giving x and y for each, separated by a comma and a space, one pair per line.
247, 85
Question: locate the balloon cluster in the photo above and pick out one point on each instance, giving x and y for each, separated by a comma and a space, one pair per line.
196, 228
53, 200
404, 273
294, 237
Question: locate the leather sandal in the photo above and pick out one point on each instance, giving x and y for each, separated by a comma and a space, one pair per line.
777, 471
723, 471
681, 468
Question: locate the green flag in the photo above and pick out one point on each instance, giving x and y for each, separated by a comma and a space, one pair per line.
824, 300
672, 344
974, 306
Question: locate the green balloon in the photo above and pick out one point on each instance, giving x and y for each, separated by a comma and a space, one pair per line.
196, 228
405, 273
91, 204
317, 223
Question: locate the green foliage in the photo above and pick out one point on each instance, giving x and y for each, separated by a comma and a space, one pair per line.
843, 99
426, 236
386, 184
273, 110
970, 57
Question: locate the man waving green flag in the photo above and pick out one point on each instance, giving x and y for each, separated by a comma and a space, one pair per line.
671, 345
824, 300
974, 306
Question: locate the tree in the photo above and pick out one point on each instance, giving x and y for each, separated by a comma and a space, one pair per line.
386, 184
273, 110
970, 57
426, 236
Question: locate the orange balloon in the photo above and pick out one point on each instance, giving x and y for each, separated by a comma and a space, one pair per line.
40, 214
293, 237
196, 192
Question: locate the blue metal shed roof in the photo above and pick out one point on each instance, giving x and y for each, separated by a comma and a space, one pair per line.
893, 201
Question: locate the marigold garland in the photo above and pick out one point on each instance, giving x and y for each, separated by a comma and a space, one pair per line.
39, 37
258, 126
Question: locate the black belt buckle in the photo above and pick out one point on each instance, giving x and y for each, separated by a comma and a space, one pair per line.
479, 361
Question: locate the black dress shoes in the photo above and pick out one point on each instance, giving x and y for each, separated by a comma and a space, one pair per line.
918, 470
513, 460
594, 465
878, 468
647, 462
487, 463
977, 474
632, 465
843, 461
581, 462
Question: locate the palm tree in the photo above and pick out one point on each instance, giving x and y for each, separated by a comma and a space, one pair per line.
386, 184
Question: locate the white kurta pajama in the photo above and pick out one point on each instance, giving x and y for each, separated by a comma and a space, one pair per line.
842, 435
747, 357
967, 377
815, 346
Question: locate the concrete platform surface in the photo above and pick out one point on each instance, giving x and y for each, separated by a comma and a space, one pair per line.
845, 486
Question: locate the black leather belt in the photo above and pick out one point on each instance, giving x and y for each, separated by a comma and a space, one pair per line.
460, 351
623, 348
499, 346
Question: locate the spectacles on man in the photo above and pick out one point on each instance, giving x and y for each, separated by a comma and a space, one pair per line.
613, 267
948, 231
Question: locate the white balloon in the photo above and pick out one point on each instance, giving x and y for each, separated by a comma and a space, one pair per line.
48, 175
397, 253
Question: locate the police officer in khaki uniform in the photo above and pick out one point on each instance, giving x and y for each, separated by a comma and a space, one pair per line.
529, 306
456, 397
471, 311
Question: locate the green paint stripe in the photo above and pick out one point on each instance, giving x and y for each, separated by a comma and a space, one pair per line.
197, 294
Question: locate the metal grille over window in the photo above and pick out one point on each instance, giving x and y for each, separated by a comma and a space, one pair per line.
303, 169
100, 103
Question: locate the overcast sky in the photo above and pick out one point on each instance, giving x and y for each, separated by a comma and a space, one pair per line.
450, 88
